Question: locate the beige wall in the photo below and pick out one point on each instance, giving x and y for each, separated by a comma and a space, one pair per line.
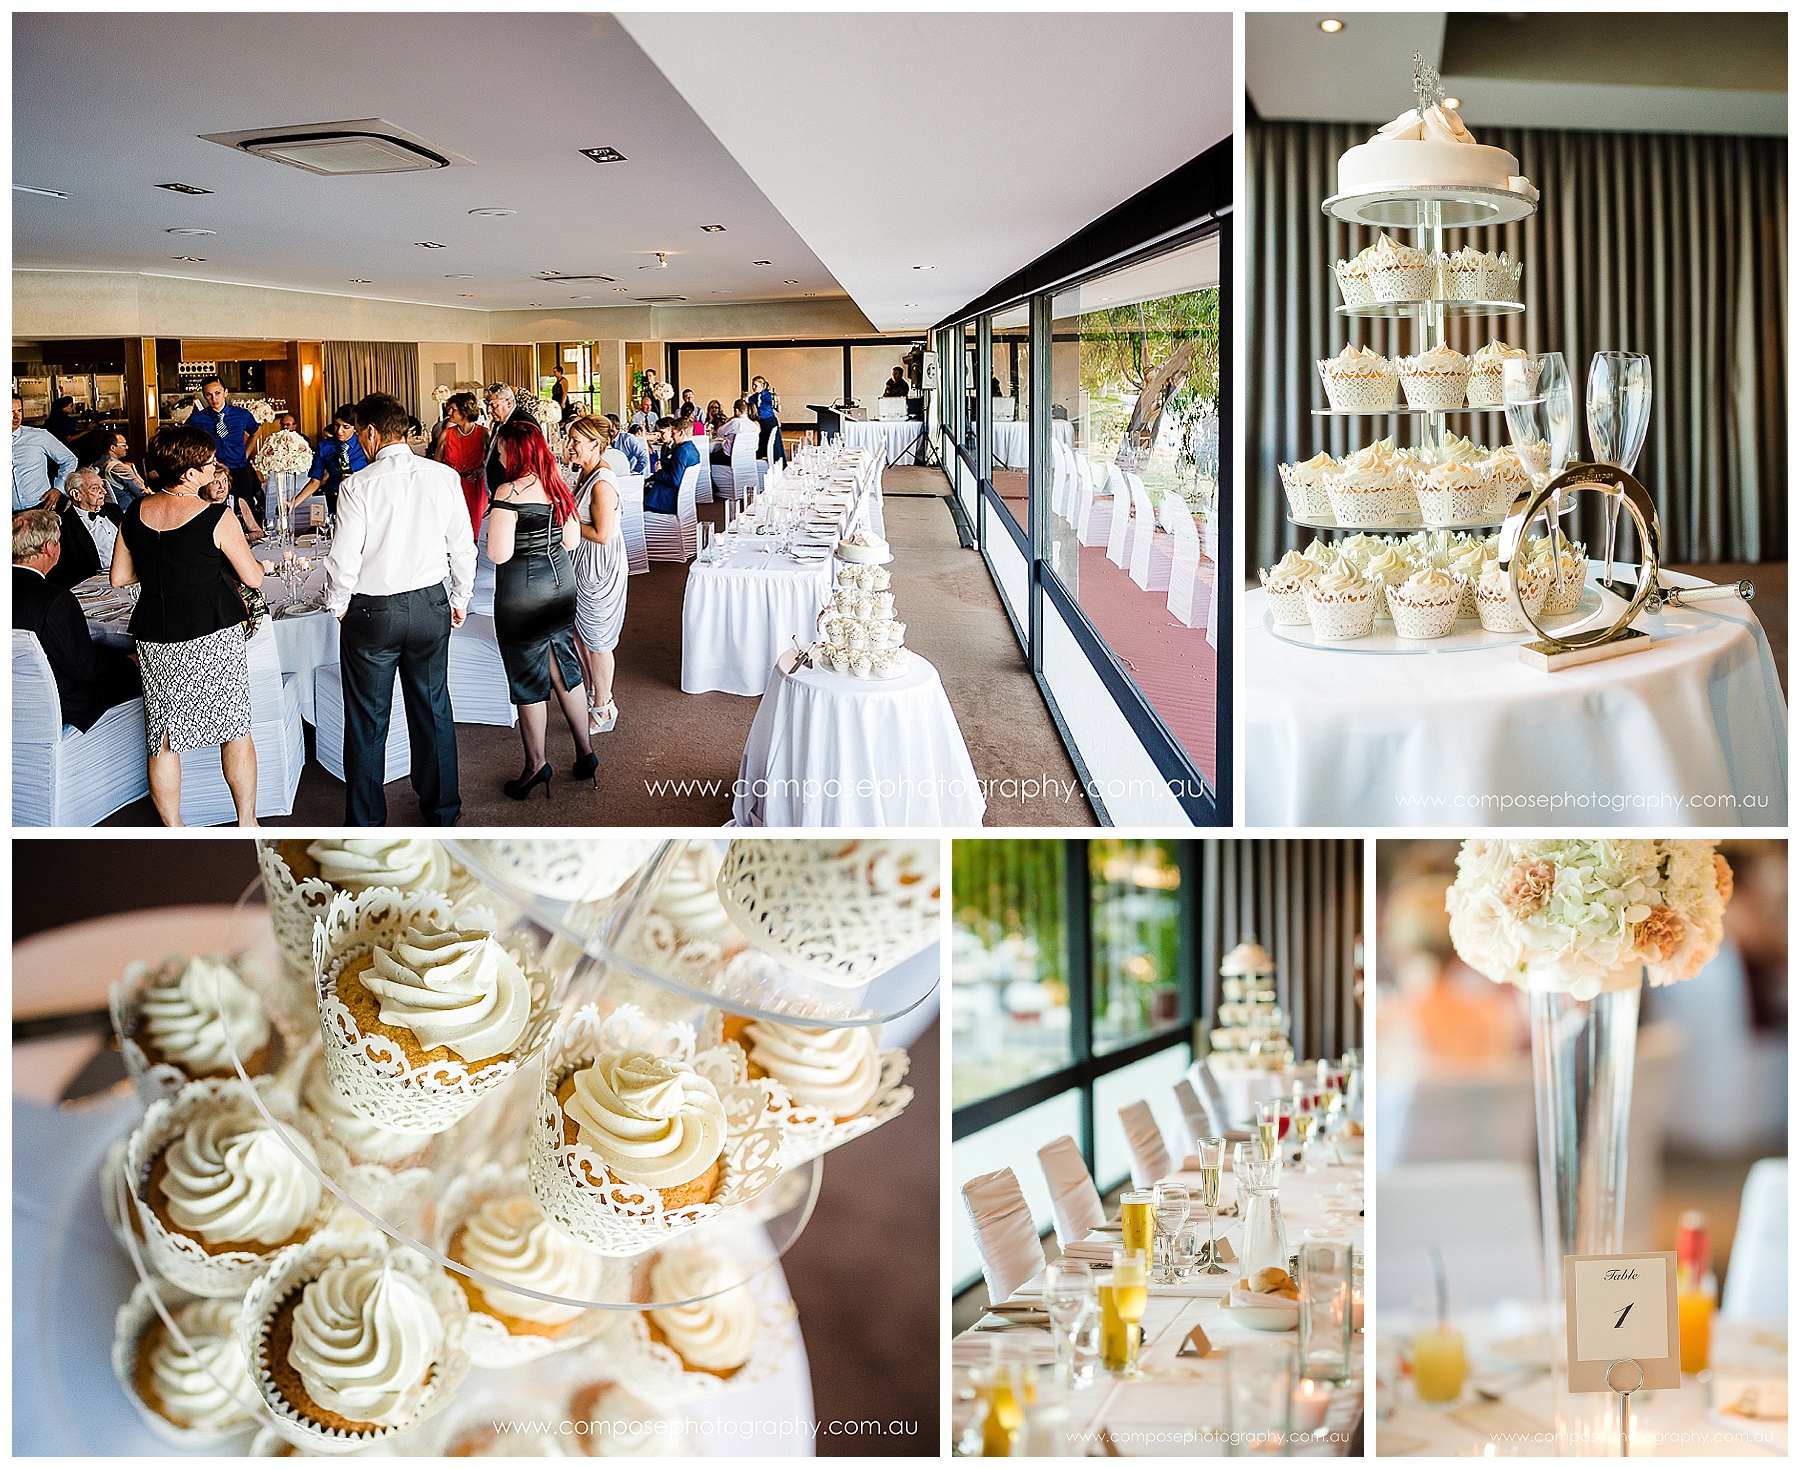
463, 358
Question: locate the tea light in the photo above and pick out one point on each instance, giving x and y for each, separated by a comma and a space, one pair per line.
1356, 1309
1311, 1399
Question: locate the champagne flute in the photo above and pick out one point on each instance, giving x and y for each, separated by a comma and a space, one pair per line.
1273, 1116
1068, 1291
1211, 1152
1171, 1216
1618, 413
1131, 1294
1540, 417
1306, 1116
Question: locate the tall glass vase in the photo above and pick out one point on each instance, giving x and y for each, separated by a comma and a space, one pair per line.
1583, 1053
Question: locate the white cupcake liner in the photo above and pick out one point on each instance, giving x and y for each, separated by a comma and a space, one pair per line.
1287, 601
1307, 501
1400, 283
1501, 282
399, 1194
1453, 505
654, 1370
1463, 282
1342, 615
304, 1264
1381, 584
132, 1320
1487, 382
1465, 605
1354, 285
371, 1072
808, 1133
1441, 388
1364, 390
1496, 611
490, 1343
177, 1257
582, 870
1501, 492
625, 1218
112, 1171
156, 1080
841, 912
1574, 583
1413, 619
1377, 507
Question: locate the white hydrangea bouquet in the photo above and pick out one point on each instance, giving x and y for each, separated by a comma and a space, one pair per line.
440, 394
261, 409
544, 410
284, 452
1584, 917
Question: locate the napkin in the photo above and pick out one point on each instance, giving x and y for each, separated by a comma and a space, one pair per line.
1094, 1251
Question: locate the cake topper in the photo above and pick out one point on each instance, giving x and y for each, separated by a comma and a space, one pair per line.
1428, 86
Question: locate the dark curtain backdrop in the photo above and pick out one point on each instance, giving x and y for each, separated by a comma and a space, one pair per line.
506, 363
1303, 900
1669, 244
353, 370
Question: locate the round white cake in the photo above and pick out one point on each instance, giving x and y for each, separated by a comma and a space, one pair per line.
862, 548
1433, 150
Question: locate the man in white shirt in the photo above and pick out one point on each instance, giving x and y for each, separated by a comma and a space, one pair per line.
402, 533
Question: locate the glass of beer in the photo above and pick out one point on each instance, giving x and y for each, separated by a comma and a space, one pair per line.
1137, 1220
1122, 1302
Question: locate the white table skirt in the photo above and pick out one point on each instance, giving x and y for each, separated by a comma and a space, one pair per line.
1244, 1089
1012, 441
826, 749
892, 441
737, 619
1688, 733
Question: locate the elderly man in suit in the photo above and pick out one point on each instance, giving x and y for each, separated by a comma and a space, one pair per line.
90, 528
90, 677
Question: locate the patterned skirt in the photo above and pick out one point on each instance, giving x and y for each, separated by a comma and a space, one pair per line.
198, 692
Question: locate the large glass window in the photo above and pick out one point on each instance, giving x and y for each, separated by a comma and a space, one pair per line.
971, 386
1009, 385
1137, 939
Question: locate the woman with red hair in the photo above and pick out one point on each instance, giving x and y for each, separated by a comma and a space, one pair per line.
532, 528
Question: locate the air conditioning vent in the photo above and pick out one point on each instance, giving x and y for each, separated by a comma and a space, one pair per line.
331, 149
558, 276
659, 300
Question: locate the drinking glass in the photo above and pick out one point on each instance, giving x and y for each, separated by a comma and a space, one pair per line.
1265, 1231
1259, 1399
1171, 1217
1618, 413
1068, 1291
1306, 1117
1137, 1220
1325, 1314
1084, 1345
1274, 1115
1130, 1292
1211, 1152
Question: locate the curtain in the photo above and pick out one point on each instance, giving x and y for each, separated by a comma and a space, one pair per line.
506, 363
353, 370
1669, 244
1303, 902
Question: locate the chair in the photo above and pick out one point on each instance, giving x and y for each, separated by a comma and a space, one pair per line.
63, 776
746, 475
1149, 558
277, 732
1093, 515
1483, 1218
703, 487
1195, 1124
1144, 1141
479, 692
1756, 1283
1211, 1097
1011, 1252
1184, 571
631, 518
1072, 1193
675, 537
328, 731
1484, 1113
1118, 534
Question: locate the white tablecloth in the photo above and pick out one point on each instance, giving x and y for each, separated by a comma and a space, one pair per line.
1244, 1089
1012, 441
826, 749
739, 617
1690, 732
892, 441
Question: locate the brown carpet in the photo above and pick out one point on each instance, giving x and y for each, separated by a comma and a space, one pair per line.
953, 618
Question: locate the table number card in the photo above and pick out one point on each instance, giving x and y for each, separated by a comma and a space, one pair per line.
1621, 1306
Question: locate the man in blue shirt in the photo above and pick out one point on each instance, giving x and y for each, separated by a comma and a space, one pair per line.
635, 450
232, 428
644, 421
662, 488
340, 453
31, 447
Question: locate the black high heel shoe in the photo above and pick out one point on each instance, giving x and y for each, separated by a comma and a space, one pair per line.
520, 789
586, 767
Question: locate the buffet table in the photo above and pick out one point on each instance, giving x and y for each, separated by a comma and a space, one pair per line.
1182, 1405
890, 442
739, 616
827, 749
1691, 732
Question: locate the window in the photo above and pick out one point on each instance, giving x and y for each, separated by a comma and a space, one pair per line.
1009, 385
1137, 943
971, 379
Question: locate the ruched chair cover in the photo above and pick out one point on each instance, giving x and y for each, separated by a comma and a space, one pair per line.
1194, 1121
675, 537
1011, 1252
63, 776
1072, 1193
1144, 1141
1756, 1285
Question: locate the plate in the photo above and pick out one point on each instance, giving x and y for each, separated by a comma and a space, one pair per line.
1261, 1318
1468, 635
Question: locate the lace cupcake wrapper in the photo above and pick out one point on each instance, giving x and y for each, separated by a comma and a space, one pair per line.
133, 1319
156, 1081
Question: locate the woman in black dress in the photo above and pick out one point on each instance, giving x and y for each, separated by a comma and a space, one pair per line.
532, 527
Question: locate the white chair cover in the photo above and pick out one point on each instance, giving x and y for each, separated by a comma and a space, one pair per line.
1756, 1284
745, 477
631, 514
1062, 478
1144, 1140
1184, 568
675, 537
479, 693
63, 776
1072, 1192
1149, 557
328, 733
1194, 1121
1118, 534
1011, 1252
703, 484
1210, 1095
1482, 1216
1093, 515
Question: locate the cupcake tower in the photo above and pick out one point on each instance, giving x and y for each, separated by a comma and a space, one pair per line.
1251, 1033
341, 1247
858, 632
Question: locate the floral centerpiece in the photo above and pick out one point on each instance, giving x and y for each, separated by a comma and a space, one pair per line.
261, 409
440, 395
283, 452
544, 410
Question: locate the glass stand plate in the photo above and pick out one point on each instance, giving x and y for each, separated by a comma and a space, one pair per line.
1467, 636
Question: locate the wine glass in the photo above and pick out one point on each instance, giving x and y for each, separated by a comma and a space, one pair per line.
1130, 1295
1273, 1117
1171, 1217
1211, 1152
1068, 1292
1306, 1117
1618, 413
1540, 417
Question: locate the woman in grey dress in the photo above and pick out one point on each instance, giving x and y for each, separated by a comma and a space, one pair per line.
601, 570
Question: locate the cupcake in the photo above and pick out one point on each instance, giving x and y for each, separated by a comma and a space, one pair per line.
1453, 494
1358, 379
1493, 597
217, 1192
1465, 275
1368, 488
194, 1400
1501, 282
1353, 280
1487, 373
1341, 602
713, 1328
507, 1237
1387, 568
611, 1423
1400, 273
1305, 486
351, 1342
1359, 549
1468, 566
686, 934
1435, 379
182, 1021
1424, 605
835, 1073
1323, 553
363, 1139
572, 870
644, 1121
1286, 588
1508, 478
1559, 603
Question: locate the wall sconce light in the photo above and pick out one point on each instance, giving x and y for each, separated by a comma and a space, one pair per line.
306, 374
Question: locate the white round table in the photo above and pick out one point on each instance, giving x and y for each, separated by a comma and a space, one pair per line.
827, 749
738, 617
892, 441
1012, 441
1690, 732
1245, 1087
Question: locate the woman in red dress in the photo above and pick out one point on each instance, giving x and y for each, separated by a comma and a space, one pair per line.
464, 448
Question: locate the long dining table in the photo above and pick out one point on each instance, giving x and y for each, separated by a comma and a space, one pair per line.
1180, 1406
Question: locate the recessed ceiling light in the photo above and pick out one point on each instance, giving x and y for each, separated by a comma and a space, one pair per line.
713, 229
428, 244
459, 277
39, 193
360, 282
1331, 27
762, 262
1453, 103
924, 267
537, 305
603, 155
549, 272
183, 189
185, 230
621, 288
790, 283
493, 213
467, 295
190, 259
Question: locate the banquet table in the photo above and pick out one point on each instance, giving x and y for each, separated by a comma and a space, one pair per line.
1692, 731
1012, 441
739, 615
892, 441
1184, 1400
1501, 1396
828, 749
1245, 1088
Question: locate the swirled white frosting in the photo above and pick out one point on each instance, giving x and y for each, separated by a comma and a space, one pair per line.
1388, 566
1470, 562
1311, 471
365, 1336
409, 864
834, 1070
188, 1012
365, 1141
210, 1389
452, 987
651, 1121
1497, 351
510, 1239
619, 1426
1428, 585
1390, 252
717, 1333
1289, 572
1441, 358
1358, 359
1435, 125
1456, 476
230, 1180
1339, 579
687, 928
